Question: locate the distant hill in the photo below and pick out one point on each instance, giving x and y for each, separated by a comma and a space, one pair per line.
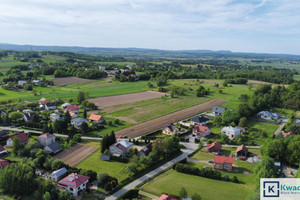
143, 53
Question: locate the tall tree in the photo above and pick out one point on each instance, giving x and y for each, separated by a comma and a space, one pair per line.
80, 97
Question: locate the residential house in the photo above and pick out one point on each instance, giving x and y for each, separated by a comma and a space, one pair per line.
223, 163
199, 120
277, 166
36, 82
53, 148
78, 122
26, 111
128, 67
96, 118
43, 101
284, 135
50, 106
102, 68
72, 108
268, 115
145, 150
2, 150
120, 148
74, 183
232, 132
218, 111
242, 152
168, 197
55, 175
22, 137
4, 163
54, 117
46, 139
64, 106
21, 82
3, 135
73, 115
201, 131
297, 121
214, 147
170, 130
27, 117
48, 142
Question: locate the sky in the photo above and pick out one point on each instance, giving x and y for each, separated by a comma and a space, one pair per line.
260, 26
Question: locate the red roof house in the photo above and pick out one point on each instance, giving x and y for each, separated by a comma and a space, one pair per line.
72, 108
284, 135
168, 197
4, 163
76, 184
96, 118
22, 137
214, 147
200, 130
223, 163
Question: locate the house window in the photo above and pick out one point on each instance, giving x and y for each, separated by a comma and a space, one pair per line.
71, 189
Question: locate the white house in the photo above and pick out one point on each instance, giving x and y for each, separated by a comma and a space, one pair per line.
55, 175
46, 139
120, 148
102, 68
50, 106
232, 132
74, 183
65, 105
54, 116
48, 142
22, 137
22, 82
78, 122
36, 82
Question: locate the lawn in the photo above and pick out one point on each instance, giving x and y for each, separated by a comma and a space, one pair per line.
208, 189
297, 77
269, 128
115, 169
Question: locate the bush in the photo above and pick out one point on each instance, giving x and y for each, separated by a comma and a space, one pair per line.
131, 194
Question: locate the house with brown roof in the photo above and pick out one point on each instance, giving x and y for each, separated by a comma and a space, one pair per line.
4, 163
72, 108
284, 135
201, 131
214, 147
168, 197
145, 150
170, 130
43, 101
22, 137
241, 152
223, 163
74, 183
96, 118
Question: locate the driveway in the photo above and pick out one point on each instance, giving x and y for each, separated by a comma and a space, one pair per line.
190, 147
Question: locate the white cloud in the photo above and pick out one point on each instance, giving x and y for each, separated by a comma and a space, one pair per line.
167, 24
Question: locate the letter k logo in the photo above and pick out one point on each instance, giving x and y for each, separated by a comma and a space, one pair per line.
271, 188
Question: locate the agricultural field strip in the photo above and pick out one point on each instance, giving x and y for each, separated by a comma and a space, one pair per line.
125, 98
75, 154
157, 123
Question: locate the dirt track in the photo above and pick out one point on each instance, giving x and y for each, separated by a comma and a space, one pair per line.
160, 122
75, 154
68, 80
125, 98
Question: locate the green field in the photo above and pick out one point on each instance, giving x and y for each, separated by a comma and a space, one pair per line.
209, 189
297, 77
115, 169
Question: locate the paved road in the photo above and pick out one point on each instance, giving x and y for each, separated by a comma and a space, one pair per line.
190, 147
278, 131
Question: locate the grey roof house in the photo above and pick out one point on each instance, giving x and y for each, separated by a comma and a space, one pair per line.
200, 120
53, 148
218, 111
78, 122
